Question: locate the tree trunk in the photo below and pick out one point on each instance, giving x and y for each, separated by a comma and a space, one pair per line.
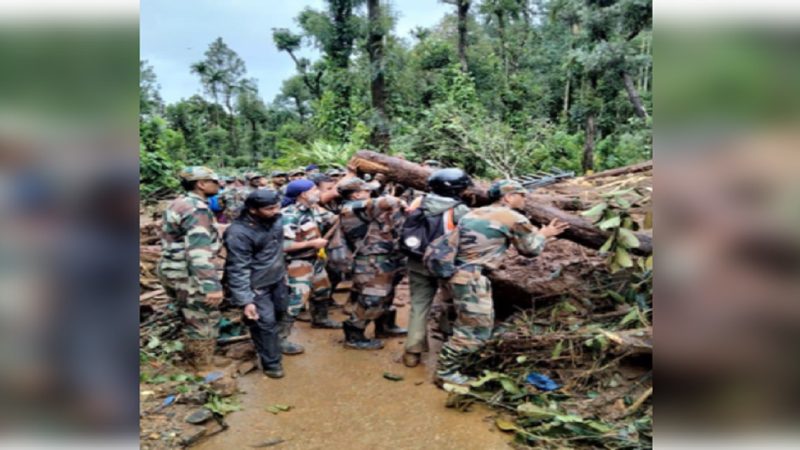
641, 167
413, 175
633, 95
254, 141
463, 11
566, 94
379, 137
588, 146
501, 30
313, 89
232, 125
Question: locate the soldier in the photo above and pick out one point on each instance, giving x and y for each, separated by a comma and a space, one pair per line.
371, 228
302, 233
233, 199
189, 245
311, 169
279, 180
335, 172
255, 274
444, 207
297, 174
484, 236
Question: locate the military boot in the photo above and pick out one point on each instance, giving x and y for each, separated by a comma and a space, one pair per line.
274, 371
386, 325
319, 316
288, 347
354, 338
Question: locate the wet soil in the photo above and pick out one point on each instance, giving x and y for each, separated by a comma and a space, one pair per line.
340, 399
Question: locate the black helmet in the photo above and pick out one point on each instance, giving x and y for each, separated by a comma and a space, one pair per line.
449, 182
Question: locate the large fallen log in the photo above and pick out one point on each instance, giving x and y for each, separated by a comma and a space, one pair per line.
413, 175
641, 167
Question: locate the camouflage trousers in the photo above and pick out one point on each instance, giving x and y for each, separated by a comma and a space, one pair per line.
200, 321
374, 281
308, 281
472, 296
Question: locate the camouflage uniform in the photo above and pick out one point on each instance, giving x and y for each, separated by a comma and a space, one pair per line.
485, 235
188, 271
233, 199
372, 230
308, 280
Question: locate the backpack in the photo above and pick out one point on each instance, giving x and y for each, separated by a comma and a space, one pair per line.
419, 230
440, 256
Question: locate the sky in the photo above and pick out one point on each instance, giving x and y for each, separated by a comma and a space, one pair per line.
173, 34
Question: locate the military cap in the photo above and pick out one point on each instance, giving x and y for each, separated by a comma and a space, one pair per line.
297, 171
503, 187
334, 172
197, 173
356, 184
432, 163
278, 173
250, 175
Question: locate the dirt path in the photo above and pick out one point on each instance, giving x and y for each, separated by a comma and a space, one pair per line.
340, 399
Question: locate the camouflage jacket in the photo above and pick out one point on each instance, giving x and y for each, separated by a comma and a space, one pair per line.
301, 224
190, 243
486, 233
373, 226
233, 199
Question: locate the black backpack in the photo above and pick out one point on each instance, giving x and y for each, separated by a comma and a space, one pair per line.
420, 230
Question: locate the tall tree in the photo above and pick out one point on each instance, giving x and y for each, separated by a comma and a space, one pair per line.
379, 137
462, 11
222, 73
289, 42
150, 101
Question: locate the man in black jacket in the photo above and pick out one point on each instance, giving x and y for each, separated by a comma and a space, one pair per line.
255, 273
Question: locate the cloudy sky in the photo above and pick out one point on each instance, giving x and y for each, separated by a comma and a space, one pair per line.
175, 33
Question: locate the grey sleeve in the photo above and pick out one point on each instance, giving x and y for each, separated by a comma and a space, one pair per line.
238, 266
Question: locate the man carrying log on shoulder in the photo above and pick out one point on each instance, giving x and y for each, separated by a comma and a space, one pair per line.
484, 235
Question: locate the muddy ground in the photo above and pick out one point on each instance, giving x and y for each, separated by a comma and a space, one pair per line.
339, 399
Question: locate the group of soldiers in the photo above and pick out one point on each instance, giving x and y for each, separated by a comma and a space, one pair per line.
284, 233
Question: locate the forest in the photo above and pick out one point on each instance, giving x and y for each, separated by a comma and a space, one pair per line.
497, 87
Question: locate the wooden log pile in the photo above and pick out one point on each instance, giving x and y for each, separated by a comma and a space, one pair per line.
570, 265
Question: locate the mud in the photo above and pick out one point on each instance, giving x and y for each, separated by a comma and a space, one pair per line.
340, 399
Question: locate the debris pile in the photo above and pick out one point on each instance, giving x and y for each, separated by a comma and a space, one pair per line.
576, 373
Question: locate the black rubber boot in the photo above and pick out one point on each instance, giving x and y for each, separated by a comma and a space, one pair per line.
354, 338
284, 330
386, 325
319, 316
275, 371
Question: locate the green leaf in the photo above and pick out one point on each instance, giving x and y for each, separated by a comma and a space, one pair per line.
598, 426
616, 296
623, 258
569, 418
528, 409
153, 343
609, 223
627, 238
521, 359
595, 212
505, 425
630, 317
510, 386
557, 350
609, 242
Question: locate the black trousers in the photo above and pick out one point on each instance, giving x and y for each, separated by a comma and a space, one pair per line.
271, 303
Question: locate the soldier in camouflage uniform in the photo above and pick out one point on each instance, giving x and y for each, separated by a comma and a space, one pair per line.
484, 236
190, 244
297, 174
279, 181
303, 228
233, 199
372, 229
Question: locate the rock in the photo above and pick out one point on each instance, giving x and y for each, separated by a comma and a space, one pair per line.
154, 435
221, 361
225, 386
190, 434
246, 367
195, 397
241, 350
199, 416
